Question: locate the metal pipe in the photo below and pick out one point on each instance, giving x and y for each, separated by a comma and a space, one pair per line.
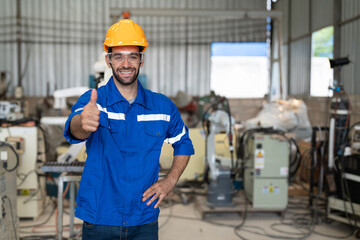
331, 143
283, 88
72, 201
60, 206
337, 36
289, 62
18, 40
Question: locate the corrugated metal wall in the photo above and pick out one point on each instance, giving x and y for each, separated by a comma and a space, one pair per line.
300, 47
321, 14
297, 41
300, 67
299, 18
350, 38
300, 24
60, 43
62, 39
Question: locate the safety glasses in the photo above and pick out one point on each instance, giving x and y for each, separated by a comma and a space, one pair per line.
119, 57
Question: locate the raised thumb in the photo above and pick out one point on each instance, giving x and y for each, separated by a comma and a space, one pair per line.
94, 96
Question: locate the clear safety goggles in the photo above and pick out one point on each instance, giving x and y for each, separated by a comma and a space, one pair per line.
119, 57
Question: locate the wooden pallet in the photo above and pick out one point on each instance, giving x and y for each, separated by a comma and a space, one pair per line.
239, 207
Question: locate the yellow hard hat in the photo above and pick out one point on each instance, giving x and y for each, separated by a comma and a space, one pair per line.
125, 33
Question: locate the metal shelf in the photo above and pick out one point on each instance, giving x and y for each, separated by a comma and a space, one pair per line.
336, 210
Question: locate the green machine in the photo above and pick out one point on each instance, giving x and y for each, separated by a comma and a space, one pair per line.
266, 170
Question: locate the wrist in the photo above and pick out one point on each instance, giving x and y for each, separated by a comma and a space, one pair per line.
76, 128
172, 179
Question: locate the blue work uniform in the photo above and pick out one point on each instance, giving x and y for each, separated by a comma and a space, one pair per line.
123, 154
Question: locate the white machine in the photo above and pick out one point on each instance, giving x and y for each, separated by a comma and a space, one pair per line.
30, 188
102, 71
220, 188
71, 154
220, 122
61, 95
74, 149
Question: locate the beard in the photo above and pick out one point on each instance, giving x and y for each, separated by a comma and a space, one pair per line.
121, 80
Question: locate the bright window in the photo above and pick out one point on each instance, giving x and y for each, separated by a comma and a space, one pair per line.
239, 70
322, 44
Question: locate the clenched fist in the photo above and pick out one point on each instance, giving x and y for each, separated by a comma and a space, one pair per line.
90, 115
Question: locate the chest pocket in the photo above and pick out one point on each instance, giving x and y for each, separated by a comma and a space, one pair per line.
154, 134
155, 129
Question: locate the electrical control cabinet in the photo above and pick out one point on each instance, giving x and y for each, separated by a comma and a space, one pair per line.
355, 141
266, 170
9, 223
29, 143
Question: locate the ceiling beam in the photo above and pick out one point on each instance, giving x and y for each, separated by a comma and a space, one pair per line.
209, 13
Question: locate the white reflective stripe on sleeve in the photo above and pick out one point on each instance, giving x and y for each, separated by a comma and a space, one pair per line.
111, 115
175, 139
153, 117
79, 109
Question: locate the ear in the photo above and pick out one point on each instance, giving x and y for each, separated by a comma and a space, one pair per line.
107, 61
142, 63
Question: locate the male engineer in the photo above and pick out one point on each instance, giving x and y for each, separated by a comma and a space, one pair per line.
125, 126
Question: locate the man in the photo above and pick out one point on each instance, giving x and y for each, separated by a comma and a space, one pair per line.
124, 126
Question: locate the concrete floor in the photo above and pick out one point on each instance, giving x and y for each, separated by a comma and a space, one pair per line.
178, 221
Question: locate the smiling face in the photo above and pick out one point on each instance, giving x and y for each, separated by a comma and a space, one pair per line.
125, 62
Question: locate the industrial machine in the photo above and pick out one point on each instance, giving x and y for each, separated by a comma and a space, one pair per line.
11, 110
29, 186
9, 223
266, 169
220, 188
343, 159
339, 115
344, 203
214, 142
61, 95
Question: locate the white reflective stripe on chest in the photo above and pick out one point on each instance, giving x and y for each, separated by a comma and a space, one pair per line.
111, 115
176, 138
153, 117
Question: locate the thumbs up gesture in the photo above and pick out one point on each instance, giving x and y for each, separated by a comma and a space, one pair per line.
90, 115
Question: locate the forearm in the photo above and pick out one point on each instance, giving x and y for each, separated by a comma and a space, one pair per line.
163, 187
76, 129
179, 164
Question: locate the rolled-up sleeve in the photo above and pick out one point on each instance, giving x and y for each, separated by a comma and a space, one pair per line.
178, 135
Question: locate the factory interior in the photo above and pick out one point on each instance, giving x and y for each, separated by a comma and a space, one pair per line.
268, 90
